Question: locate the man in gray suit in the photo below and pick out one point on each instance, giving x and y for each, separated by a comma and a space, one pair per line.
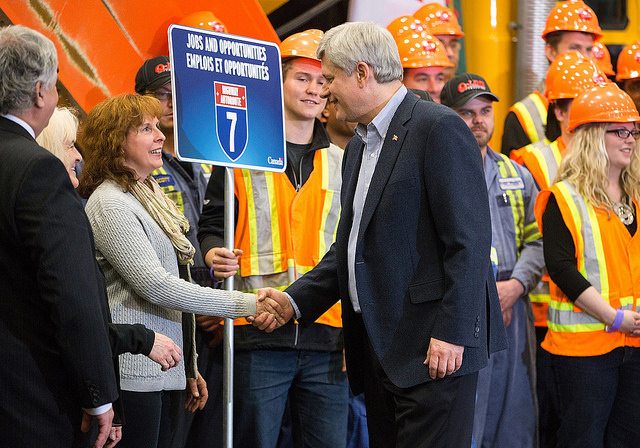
411, 259
57, 372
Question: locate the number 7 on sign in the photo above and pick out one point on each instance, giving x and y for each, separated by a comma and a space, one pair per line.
231, 118
232, 132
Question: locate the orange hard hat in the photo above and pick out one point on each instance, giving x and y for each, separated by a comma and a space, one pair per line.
571, 74
604, 103
420, 50
572, 15
600, 54
439, 20
629, 62
406, 24
205, 20
301, 45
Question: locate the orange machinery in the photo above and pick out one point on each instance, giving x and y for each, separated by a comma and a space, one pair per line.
102, 43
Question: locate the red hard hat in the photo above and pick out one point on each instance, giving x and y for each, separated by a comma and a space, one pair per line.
572, 15
205, 20
571, 74
301, 45
629, 62
604, 103
439, 20
419, 50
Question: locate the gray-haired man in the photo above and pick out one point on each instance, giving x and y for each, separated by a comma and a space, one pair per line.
57, 370
411, 258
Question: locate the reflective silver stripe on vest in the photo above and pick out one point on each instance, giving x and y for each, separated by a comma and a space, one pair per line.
260, 191
546, 150
333, 179
561, 315
538, 121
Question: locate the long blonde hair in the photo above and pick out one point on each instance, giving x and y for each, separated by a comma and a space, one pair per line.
586, 164
61, 130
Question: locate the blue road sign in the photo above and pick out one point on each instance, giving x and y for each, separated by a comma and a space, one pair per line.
227, 99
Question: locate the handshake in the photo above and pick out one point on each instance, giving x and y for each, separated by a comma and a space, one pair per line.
273, 310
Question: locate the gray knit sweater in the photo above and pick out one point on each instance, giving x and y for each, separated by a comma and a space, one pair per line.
141, 272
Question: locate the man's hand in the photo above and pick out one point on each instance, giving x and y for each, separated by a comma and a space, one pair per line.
273, 310
224, 262
509, 291
443, 358
507, 315
104, 428
114, 436
165, 352
197, 394
213, 326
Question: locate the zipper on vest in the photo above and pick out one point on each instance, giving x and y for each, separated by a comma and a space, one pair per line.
298, 182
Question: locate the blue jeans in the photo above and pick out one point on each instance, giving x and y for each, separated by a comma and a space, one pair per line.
358, 434
599, 398
317, 390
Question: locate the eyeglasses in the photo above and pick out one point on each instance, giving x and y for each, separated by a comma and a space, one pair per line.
162, 95
625, 133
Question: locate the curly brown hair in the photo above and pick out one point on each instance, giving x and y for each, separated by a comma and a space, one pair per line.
102, 136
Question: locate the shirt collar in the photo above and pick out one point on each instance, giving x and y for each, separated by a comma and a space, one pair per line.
21, 122
382, 121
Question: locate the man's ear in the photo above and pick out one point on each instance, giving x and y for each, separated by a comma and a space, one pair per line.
550, 52
324, 115
39, 98
363, 72
561, 115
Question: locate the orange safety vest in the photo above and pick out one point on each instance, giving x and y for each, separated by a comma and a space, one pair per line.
542, 160
609, 258
532, 115
284, 233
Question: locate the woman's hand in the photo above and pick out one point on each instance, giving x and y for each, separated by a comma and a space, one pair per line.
165, 352
630, 323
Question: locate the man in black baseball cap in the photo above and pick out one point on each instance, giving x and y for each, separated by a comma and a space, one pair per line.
469, 95
506, 416
154, 78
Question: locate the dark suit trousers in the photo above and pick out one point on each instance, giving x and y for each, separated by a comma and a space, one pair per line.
434, 414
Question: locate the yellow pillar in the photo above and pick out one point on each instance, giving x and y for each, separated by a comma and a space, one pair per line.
491, 51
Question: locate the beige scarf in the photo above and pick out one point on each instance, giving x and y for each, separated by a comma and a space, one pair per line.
168, 216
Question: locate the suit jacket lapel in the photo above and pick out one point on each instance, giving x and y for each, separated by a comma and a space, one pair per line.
352, 161
388, 156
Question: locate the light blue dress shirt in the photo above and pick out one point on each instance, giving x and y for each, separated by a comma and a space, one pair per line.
373, 136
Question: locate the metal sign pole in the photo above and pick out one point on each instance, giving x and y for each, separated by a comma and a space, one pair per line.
227, 90
229, 237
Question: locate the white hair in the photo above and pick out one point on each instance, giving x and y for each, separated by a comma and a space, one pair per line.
352, 42
26, 57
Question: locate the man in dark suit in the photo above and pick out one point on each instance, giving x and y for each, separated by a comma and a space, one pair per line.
411, 258
57, 373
